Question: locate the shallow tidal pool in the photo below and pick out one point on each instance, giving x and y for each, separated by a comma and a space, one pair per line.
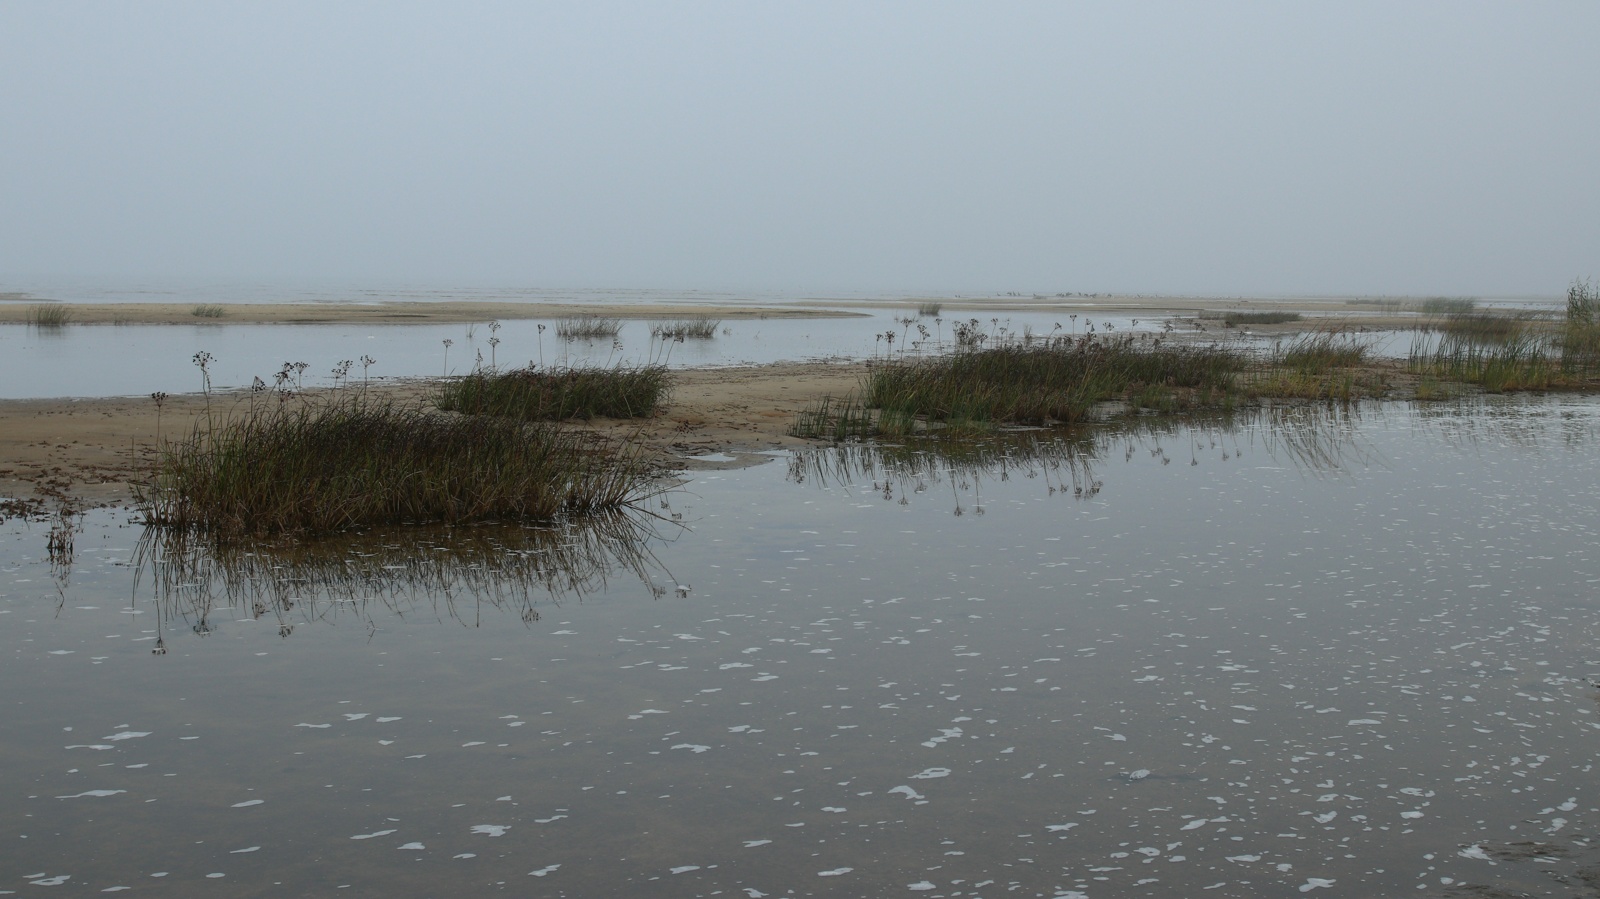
1340, 653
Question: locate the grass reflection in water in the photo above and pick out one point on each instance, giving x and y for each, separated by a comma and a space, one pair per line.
448, 572
1319, 439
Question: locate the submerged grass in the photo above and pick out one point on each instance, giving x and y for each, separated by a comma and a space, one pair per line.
349, 461
536, 394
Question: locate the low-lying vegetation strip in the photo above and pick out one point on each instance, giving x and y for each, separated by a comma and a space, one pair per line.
1235, 319
49, 315
349, 461
1501, 353
546, 394
588, 327
699, 327
208, 310
928, 310
1056, 379
1063, 379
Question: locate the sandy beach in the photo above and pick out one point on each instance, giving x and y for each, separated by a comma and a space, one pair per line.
92, 451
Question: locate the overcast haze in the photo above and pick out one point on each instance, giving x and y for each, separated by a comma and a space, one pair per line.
1197, 148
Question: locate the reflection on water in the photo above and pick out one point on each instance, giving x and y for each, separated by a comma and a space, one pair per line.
1314, 438
1354, 659
452, 573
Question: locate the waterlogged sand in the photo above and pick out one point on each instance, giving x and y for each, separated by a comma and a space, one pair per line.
93, 450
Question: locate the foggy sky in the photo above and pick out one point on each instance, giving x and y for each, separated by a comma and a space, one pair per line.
1265, 148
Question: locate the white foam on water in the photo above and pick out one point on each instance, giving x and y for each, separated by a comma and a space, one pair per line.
387, 719
94, 793
493, 830
910, 793
355, 716
930, 773
127, 735
247, 803
692, 747
547, 869
244, 850
98, 746
1316, 883
55, 881
920, 886
411, 846
1059, 828
835, 872
301, 724
368, 836
684, 869
465, 855
751, 844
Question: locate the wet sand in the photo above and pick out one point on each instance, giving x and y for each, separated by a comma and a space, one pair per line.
92, 451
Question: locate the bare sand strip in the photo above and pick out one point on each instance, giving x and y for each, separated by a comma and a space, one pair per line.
91, 451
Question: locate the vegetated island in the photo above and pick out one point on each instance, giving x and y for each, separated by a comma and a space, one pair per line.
98, 452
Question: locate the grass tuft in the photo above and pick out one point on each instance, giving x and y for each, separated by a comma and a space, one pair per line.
208, 310
349, 461
534, 394
699, 327
588, 327
928, 310
50, 315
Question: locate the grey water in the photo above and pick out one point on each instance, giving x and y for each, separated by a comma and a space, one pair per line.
1349, 653
71, 361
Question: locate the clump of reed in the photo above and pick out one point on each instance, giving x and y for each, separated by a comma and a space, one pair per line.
350, 461
698, 327
588, 327
835, 419
50, 315
540, 394
1317, 365
1501, 353
208, 310
1050, 379
929, 310
1580, 334
1522, 361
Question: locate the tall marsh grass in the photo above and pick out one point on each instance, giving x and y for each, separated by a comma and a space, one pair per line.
698, 327
1053, 379
209, 310
538, 394
588, 327
349, 461
50, 315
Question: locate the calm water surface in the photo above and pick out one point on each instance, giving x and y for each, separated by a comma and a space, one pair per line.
1349, 655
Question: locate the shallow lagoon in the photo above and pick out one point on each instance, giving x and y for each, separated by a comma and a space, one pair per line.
1329, 653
